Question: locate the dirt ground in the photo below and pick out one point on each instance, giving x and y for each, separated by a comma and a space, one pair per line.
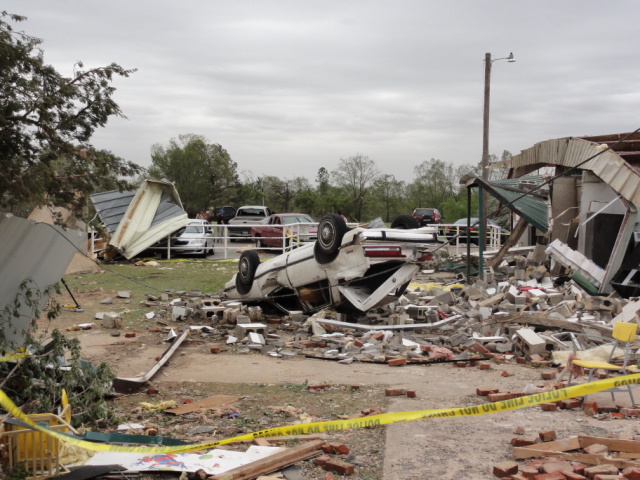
447, 448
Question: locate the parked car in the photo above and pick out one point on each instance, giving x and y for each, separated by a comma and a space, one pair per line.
246, 217
283, 230
347, 269
228, 212
196, 239
460, 227
427, 216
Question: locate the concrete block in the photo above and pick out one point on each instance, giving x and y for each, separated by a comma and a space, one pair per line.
533, 343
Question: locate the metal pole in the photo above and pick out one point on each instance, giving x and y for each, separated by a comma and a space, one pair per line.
482, 240
468, 235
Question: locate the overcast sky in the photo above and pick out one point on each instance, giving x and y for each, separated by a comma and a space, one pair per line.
287, 87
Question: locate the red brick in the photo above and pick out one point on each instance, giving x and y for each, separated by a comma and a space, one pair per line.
505, 374
484, 391
571, 403
549, 476
617, 415
548, 375
397, 362
518, 476
339, 466
521, 360
411, 393
529, 471
395, 392
130, 335
524, 441
484, 366
573, 476
631, 473
578, 467
549, 407
215, 349
357, 342
461, 364
519, 430
499, 397
547, 435
329, 476
590, 408
498, 358
479, 348
606, 469
339, 448
377, 336
326, 448
630, 412
542, 363
556, 466
321, 460
503, 469
608, 477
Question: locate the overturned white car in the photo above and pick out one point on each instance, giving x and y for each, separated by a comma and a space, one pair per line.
359, 268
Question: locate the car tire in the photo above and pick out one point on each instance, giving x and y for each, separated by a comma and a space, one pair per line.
405, 222
331, 230
247, 266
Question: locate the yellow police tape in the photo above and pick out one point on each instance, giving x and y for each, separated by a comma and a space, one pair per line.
319, 427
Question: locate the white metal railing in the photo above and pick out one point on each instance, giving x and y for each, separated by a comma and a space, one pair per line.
459, 232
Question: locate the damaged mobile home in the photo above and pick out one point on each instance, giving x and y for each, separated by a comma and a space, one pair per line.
592, 201
135, 220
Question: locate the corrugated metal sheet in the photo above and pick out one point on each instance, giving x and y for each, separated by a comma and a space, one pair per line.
570, 152
533, 207
36, 251
137, 220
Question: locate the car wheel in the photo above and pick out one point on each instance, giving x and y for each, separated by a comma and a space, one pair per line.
405, 222
331, 229
249, 262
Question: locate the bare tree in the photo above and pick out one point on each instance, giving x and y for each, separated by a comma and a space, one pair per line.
356, 175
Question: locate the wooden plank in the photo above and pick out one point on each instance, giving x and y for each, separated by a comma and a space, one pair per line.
611, 443
215, 401
272, 463
628, 454
563, 445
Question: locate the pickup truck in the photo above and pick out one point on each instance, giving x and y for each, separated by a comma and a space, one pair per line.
246, 217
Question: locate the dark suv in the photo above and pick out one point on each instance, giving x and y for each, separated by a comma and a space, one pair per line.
229, 212
426, 216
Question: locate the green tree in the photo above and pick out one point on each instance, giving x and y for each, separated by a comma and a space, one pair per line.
389, 194
355, 175
203, 173
46, 124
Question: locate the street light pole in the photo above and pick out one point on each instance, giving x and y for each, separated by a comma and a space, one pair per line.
488, 62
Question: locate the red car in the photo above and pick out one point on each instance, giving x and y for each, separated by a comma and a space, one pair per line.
427, 216
285, 230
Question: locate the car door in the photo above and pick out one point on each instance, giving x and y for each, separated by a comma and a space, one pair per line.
272, 230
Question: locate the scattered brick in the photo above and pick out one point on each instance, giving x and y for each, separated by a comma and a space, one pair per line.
528, 471
355, 387
411, 393
570, 403
547, 435
321, 460
499, 397
152, 391
484, 366
606, 469
461, 364
519, 431
395, 392
326, 448
574, 476
339, 448
518, 476
549, 407
596, 449
548, 375
503, 469
329, 476
578, 467
339, 466
590, 408
617, 415
505, 374
521, 360
215, 349
608, 477
484, 391
397, 362
498, 358
630, 412
524, 441
549, 476
479, 348
357, 343
556, 466
130, 335
631, 473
